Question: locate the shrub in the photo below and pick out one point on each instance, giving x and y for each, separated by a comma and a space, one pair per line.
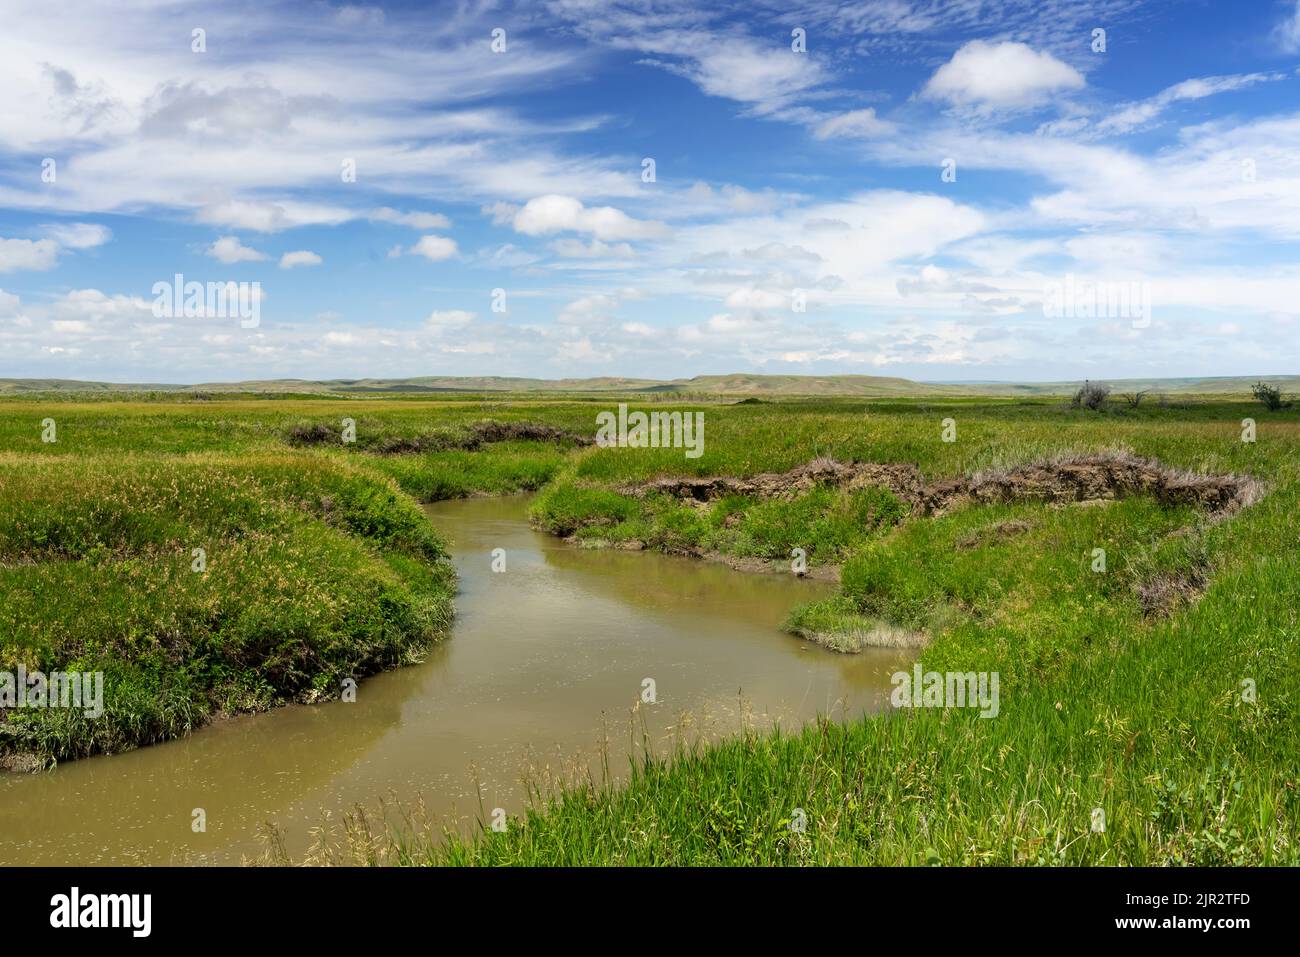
1091, 396
1271, 396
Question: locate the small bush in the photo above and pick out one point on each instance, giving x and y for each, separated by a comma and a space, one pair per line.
1271, 396
1091, 396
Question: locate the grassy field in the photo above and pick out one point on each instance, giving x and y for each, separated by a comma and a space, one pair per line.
1160, 690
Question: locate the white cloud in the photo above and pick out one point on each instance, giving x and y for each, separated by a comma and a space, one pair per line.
415, 220
228, 249
79, 235
544, 215
9, 304
577, 249
469, 348
111, 94
594, 309
1142, 112
434, 248
757, 299
893, 278
269, 217
704, 200
23, 254
1287, 32
502, 214
854, 260
766, 78
507, 256
855, 123
449, 318
936, 280
780, 252
302, 257
1001, 76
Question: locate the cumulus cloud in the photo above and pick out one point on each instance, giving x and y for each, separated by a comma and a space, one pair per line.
1003, 75
434, 248
544, 215
27, 254
302, 257
920, 277
228, 249
239, 145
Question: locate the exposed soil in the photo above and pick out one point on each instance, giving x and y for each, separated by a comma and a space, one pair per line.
22, 762
1169, 591
821, 573
1102, 477
314, 434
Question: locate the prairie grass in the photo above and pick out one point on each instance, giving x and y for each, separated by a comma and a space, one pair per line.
313, 571
1161, 690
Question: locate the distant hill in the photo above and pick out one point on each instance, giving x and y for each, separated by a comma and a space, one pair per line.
738, 384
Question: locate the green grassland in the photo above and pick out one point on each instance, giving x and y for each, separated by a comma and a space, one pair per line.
1120, 690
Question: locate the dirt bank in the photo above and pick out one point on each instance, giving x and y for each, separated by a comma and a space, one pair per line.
1091, 478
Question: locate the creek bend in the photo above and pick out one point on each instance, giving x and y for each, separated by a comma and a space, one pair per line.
545, 662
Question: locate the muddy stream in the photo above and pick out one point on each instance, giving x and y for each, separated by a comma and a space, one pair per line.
545, 661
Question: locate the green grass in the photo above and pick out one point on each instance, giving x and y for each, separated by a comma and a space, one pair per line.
1120, 690
315, 571
1100, 708
826, 523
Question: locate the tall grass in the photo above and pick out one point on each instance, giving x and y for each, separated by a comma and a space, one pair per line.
313, 571
1126, 690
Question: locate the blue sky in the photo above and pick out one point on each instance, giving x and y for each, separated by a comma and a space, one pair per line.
799, 221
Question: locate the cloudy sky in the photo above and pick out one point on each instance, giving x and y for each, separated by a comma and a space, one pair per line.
670, 188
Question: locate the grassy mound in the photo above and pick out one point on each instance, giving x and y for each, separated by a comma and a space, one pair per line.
312, 571
826, 523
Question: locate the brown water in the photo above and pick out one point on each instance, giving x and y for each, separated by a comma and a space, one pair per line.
546, 660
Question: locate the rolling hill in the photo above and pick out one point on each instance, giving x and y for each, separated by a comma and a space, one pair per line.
737, 384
